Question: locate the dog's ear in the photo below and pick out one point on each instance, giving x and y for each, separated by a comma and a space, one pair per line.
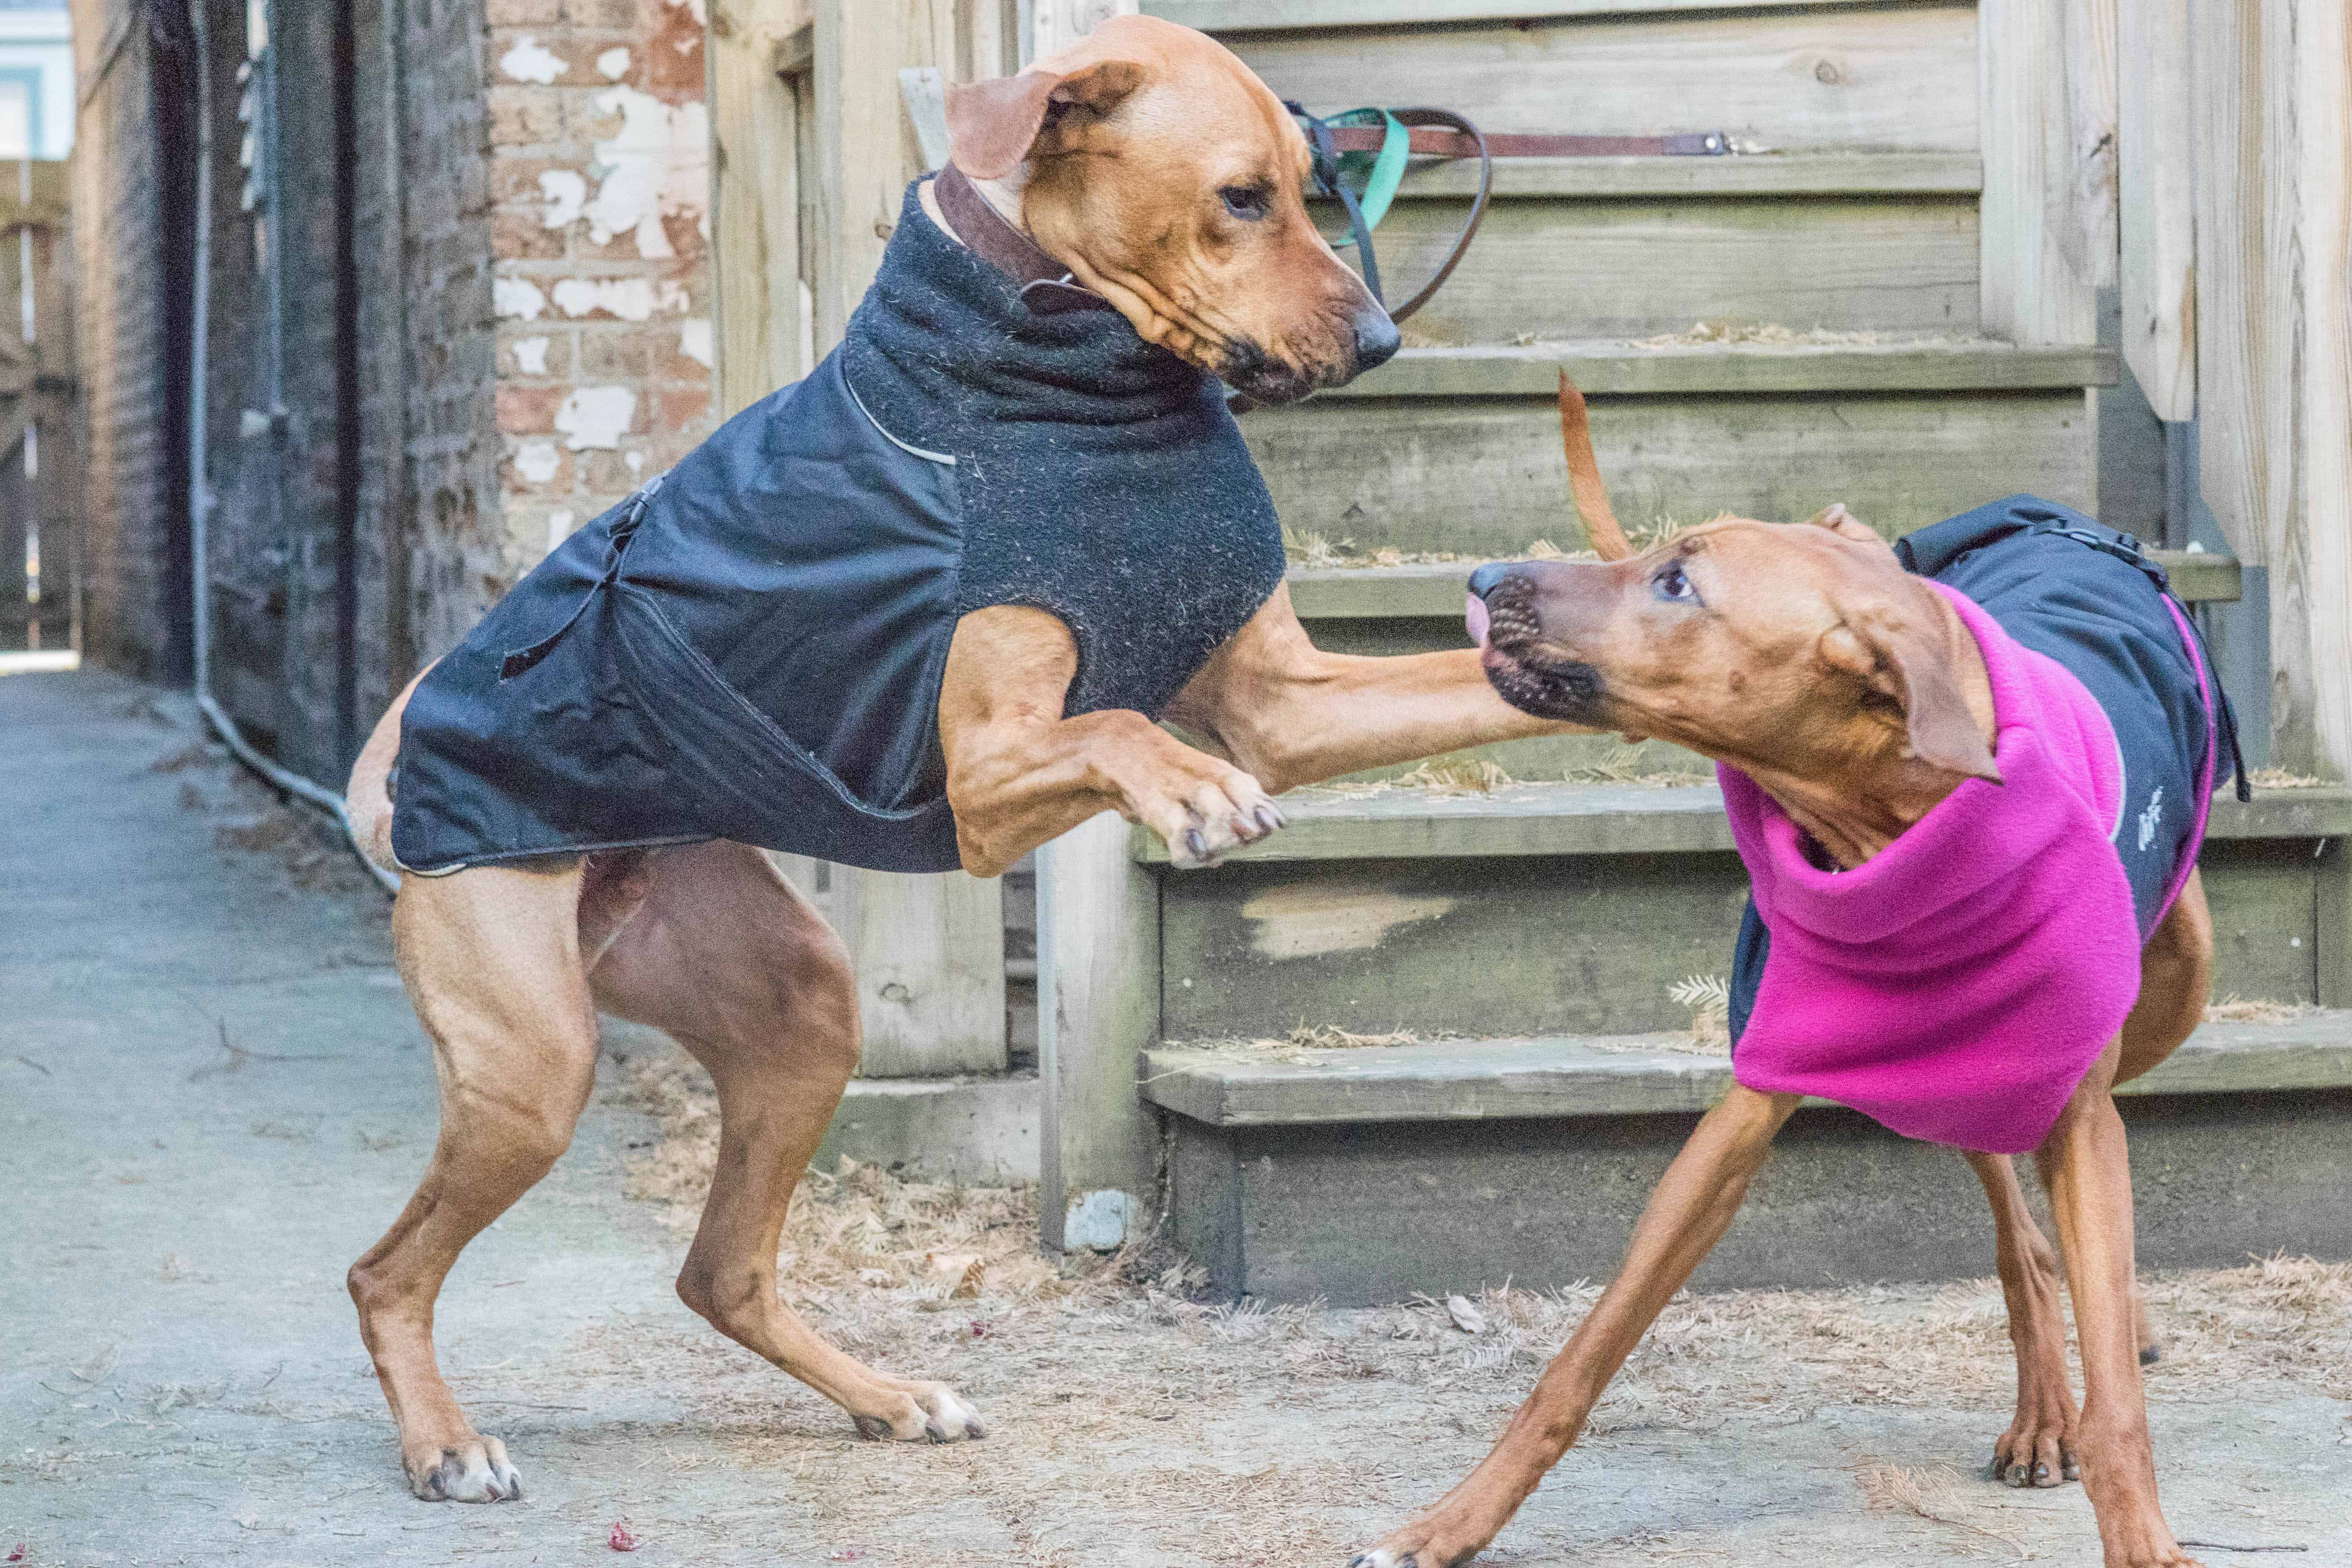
991, 125
1902, 658
1845, 524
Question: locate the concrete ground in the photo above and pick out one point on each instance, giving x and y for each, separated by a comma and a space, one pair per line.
213, 1095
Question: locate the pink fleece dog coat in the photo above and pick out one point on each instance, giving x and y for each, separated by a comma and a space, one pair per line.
1957, 986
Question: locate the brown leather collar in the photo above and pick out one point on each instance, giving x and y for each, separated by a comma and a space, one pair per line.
1047, 285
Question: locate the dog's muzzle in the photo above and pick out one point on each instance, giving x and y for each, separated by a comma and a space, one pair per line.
1501, 617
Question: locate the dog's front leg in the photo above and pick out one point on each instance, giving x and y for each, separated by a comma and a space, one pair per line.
2087, 1170
2038, 1449
1020, 774
1687, 1215
1294, 714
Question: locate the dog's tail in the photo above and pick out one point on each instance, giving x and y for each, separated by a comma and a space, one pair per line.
1584, 487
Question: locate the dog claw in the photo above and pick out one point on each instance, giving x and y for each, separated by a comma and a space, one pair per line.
2150, 1355
934, 1432
1196, 843
1268, 818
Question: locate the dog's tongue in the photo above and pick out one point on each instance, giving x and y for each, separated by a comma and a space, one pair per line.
1475, 613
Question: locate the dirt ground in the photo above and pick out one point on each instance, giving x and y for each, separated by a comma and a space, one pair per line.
213, 1095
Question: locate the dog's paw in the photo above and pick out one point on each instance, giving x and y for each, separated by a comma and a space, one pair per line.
1212, 818
2038, 1450
1430, 1541
472, 1469
919, 1413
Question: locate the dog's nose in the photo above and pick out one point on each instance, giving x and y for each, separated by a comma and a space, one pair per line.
1483, 581
1376, 339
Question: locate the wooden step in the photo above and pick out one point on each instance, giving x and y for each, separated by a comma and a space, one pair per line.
1876, 77
1631, 1074
1609, 368
1457, 451
1378, 1176
1747, 177
1621, 819
1542, 910
1636, 264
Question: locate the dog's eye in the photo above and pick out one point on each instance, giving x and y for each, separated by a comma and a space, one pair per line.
1673, 582
1247, 203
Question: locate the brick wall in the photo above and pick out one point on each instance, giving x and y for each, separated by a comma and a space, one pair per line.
529, 231
445, 517
599, 145
134, 526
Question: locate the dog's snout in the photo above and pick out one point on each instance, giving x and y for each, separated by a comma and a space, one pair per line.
1377, 339
1483, 581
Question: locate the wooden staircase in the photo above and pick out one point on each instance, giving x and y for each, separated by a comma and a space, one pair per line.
1854, 306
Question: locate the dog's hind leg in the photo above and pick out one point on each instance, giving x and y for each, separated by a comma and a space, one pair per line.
726, 958
492, 959
2038, 1449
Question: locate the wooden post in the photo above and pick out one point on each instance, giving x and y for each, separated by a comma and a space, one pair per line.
754, 199
2040, 238
2155, 175
1097, 1006
2272, 93
929, 951
1058, 23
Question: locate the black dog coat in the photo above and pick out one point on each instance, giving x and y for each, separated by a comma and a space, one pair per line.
751, 646
2061, 584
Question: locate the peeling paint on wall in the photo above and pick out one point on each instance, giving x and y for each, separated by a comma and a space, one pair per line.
559, 527
566, 190
531, 355
657, 167
596, 417
613, 62
536, 461
1308, 922
517, 297
628, 299
694, 341
530, 60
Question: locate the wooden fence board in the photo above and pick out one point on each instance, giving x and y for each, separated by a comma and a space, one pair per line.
1900, 79
2155, 175
2039, 282
755, 199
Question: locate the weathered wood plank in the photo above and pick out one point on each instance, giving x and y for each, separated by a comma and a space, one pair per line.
1773, 174
1518, 944
1099, 957
2273, 88
2037, 281
1607, 369
865, 153
1581, 268
2155, 174
1881, 79
2333, 917
33, 191
755, 202
1271, 16
1485, 475
1635, 1075
1546, 943
1058, 23
1612, 819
